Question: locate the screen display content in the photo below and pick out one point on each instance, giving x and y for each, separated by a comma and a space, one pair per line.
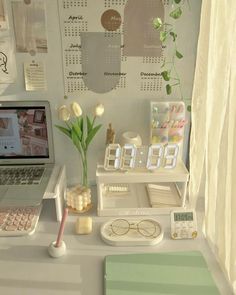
23, 132
183, 216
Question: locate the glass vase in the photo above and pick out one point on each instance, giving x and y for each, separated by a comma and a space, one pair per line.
79, 196
79, 199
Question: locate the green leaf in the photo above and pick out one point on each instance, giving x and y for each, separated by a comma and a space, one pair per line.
177, 1
165, 75
89, 124
175, 14
157, 23
91, 134
77, 130
64, 130
173, 35
80, 122
163, 36
178, 54
189, 108
81, 126
168, 89
76, 140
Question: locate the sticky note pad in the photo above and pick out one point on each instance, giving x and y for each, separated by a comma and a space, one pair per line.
177, 273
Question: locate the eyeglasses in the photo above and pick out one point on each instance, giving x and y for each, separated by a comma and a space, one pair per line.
145, 227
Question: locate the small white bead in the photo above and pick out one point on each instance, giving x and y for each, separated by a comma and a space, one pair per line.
86, 199
80, 208
80, 198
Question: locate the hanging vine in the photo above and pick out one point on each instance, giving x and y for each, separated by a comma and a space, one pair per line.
167, 31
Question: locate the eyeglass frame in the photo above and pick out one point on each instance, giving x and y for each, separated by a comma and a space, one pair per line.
129, 227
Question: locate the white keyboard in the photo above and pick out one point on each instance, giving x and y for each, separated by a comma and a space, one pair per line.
19, 221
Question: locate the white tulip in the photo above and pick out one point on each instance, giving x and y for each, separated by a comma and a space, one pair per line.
64, 113
76, 109
99, 110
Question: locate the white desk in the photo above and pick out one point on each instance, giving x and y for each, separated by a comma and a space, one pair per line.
27, 269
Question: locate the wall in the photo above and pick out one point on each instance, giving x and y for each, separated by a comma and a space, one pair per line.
126, 111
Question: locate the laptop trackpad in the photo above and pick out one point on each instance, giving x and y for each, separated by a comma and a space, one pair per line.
20, 196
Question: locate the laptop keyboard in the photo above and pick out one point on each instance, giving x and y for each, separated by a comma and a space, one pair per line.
21, 176
19, 221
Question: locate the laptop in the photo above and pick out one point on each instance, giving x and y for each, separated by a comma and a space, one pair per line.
26, 152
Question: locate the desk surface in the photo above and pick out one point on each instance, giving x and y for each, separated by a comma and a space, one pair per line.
27, 269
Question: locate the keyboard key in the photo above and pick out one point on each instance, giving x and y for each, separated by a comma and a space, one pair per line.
21, 176
10, 228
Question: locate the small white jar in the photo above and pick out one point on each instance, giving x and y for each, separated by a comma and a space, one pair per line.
131, 138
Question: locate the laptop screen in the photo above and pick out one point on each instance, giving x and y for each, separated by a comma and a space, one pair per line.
23, 132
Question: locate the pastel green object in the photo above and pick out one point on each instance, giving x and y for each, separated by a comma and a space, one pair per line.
176, 273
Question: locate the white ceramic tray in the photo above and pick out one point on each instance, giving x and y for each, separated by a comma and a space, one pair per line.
132, 232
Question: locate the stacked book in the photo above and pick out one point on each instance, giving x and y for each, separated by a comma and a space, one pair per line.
162, 195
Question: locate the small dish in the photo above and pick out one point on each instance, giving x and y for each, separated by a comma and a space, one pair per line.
132, 232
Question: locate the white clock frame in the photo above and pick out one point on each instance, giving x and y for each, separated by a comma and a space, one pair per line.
183, 228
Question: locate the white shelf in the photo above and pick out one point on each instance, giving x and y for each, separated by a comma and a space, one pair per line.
136, 200
179, 173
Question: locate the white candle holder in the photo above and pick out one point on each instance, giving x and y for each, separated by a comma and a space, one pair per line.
79, 199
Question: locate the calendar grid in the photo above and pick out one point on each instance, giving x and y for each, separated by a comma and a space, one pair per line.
120, 68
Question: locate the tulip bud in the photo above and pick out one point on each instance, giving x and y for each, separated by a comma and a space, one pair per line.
76, 109
64, 113
99, 110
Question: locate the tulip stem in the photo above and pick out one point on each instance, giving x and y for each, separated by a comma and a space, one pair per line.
85, 169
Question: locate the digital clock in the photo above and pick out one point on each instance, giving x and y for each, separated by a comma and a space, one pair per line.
150, 157
183, 224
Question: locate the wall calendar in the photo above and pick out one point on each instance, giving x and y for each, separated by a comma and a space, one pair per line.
111, 45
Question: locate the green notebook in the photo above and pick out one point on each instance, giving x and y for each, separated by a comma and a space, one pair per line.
176, 273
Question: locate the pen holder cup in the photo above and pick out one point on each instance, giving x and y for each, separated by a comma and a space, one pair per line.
56, 252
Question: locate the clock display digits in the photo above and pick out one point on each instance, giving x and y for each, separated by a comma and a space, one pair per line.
112, 157
128, 156
183, 216
155, 153
170, 155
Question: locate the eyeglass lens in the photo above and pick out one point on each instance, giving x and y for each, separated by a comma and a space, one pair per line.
146, 228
